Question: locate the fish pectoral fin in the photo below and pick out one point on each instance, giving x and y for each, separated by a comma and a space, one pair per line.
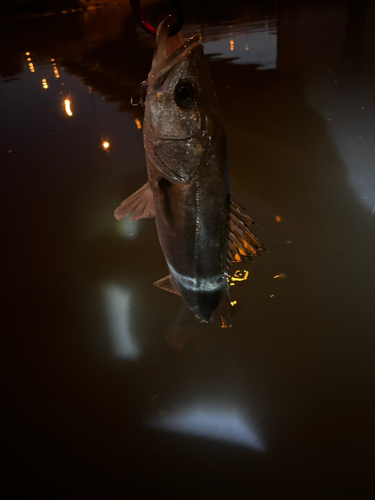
167, 284
243, 243
140, 204
224, 311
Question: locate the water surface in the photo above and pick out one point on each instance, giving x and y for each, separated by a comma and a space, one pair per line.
112, 384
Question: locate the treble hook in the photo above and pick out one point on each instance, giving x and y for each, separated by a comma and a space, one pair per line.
142, 95
136, 7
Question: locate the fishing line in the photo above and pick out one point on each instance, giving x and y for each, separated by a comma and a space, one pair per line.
136, 8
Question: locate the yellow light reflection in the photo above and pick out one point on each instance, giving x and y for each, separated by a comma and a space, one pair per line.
105, 145
239, 276
246, 47
271, 296
27, 53
44, 83
278, 218
68, 110
231, 45
56, 72
138, 123
233, 303
52, 59
279, 276
29, 58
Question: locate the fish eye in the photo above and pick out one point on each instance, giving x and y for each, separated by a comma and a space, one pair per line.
184, 95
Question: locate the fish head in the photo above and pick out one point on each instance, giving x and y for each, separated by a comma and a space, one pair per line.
181, 104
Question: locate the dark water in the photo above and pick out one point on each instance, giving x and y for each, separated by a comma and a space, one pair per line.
110, 387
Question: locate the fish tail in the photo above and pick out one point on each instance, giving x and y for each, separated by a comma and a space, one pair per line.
224, 311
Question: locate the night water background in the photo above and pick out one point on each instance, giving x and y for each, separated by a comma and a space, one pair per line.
110, 386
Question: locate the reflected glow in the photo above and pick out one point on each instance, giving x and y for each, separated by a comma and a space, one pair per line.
239, 275
27, 53
127, 228
231, 45
279, 276
220, 424
233, 303
68, 110
44, 83
138, 123
105, 145
55, 70
117, 301
278, 218
29, 59
31, 67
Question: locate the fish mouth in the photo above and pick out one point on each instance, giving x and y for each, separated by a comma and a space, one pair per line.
164, 62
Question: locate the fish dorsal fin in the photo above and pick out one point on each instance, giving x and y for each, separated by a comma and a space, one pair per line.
242, 244
140, 204
166, 284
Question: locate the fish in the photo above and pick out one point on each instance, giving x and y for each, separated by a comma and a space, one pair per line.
201, 229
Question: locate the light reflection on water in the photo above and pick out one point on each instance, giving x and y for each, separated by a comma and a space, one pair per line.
253, 43
210, 422
118, 308
128, 228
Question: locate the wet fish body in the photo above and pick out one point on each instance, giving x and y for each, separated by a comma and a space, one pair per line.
188, 180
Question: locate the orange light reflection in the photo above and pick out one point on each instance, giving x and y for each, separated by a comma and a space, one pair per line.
68, 110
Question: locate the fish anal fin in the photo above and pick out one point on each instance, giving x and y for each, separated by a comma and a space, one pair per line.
243, 244
224, 311
167, 284
140, 205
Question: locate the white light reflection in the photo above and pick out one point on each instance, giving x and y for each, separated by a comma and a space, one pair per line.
127, 228
117, 300
225, 425
67, 106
